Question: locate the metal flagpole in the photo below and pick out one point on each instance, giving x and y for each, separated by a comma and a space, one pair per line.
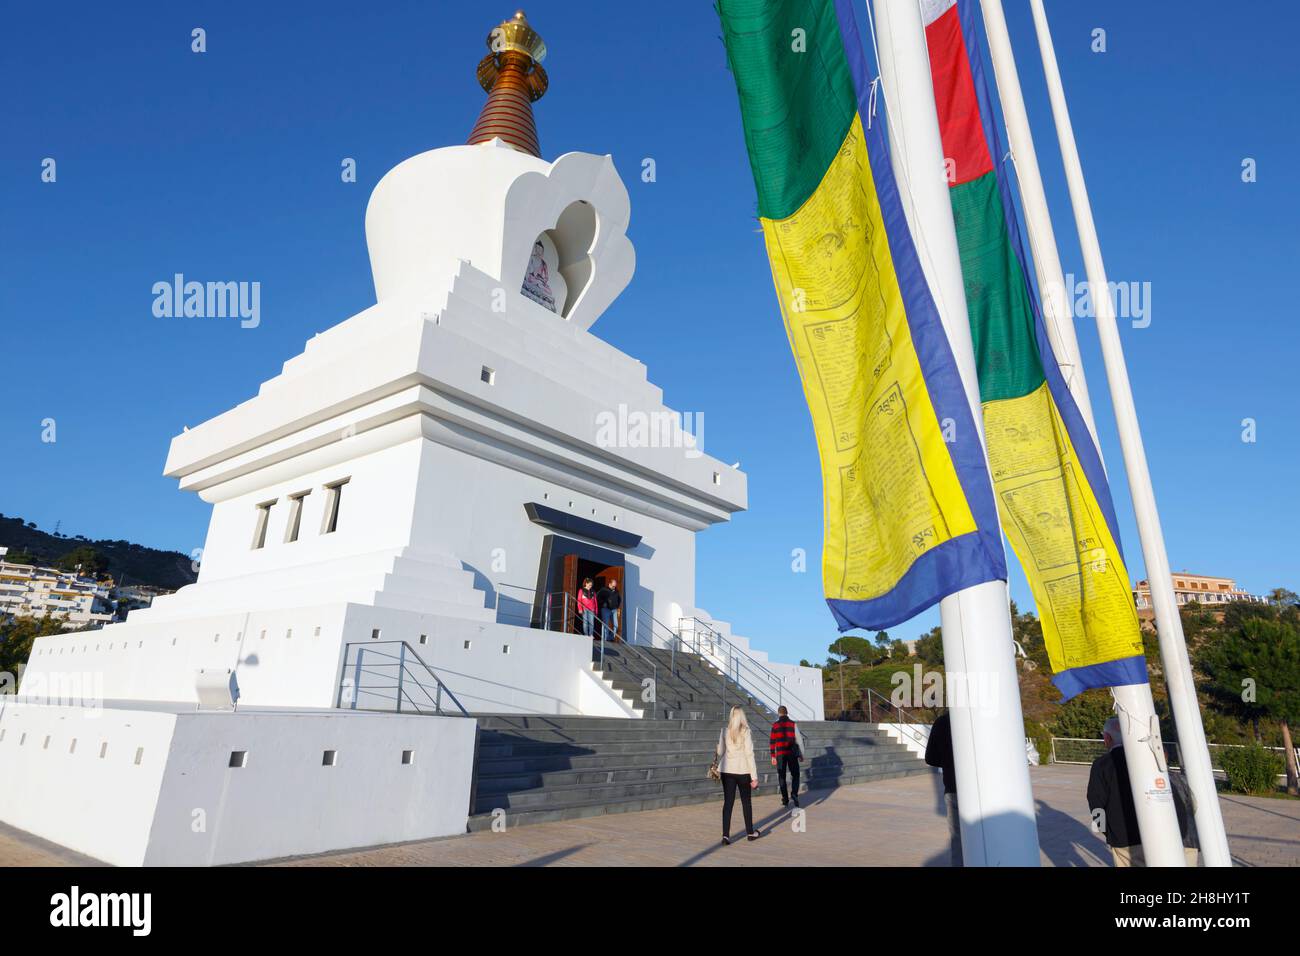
1139, 728
1173, 648
994, 798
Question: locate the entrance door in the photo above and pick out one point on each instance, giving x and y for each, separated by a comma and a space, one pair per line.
570, 579
565, 564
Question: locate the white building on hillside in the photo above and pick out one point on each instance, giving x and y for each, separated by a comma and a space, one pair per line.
29, 591
1199, 588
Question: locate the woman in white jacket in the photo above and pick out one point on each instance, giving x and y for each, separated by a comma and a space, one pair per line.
739, 773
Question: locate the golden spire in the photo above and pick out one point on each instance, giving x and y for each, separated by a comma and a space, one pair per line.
513, 77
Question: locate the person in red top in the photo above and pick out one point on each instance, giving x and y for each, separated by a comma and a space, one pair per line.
587, 607
783, 744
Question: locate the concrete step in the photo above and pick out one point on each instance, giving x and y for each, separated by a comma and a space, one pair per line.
536, 768
558, 796
492, 751
498, 779
546, 762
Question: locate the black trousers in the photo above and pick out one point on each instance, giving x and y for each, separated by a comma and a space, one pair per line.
791, 763
731, 783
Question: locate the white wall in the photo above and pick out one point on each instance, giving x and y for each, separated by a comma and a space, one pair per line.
375, 514
66, 792
503, 669
474, 507
285, 802
163, 792
281, 661
915, 736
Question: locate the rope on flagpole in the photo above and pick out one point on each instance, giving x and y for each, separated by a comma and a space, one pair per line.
900, 173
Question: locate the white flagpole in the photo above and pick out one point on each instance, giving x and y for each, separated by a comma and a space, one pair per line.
1173, 648
994, 798
1140, 729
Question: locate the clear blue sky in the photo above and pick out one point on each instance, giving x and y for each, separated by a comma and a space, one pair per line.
225, 165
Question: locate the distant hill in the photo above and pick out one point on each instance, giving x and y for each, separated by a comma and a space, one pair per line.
126, 562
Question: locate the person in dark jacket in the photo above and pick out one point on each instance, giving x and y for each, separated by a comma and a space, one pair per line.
611, 603
783, 746
1110, 795
938, 753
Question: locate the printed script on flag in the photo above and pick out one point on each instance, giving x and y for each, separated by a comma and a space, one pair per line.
908, 517
1052, 492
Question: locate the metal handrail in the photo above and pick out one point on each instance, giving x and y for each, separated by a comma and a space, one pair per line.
558, 611
719, 639
903, 716
639, 673
405, 677
549, 608
739, 661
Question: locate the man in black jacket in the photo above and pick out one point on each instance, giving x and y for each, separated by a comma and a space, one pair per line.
1110, 798
938, 753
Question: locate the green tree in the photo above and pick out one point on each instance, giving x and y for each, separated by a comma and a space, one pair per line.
1027, 631
1255, 671
1084, 715
929, 647
849, 647
16, 638
1239, 612
91, 561
1284, 597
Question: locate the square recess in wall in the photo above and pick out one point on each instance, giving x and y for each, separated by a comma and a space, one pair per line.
424, 638
488, 376
330, 758
238, 758
408, 757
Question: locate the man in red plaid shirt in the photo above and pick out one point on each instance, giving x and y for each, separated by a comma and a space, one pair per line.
786, 755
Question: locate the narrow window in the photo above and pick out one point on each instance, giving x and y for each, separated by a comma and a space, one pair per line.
263, 519
333, 493
295, 516
488, 376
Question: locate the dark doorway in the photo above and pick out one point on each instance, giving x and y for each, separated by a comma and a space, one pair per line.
565, 564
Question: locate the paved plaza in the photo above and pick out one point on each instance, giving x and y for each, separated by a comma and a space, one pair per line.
887, 823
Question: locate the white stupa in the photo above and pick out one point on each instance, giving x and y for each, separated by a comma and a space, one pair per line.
424, 480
